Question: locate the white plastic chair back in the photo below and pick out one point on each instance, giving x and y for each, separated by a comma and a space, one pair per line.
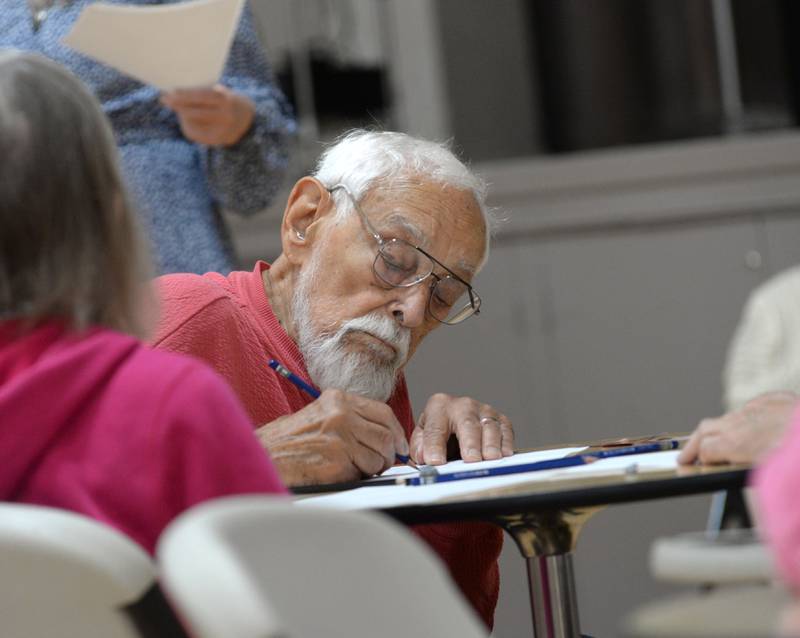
254, 566
65, 575
746, 611
731, 556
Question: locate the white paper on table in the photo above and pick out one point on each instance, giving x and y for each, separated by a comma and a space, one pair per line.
520, 458
399, 495
175, 46
647, 462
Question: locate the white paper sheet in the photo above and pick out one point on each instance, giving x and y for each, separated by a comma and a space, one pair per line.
517, 459
174, 46
397, 495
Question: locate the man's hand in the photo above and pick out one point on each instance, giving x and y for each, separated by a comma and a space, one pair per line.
214, 117
482, 431
339, 437
745, 435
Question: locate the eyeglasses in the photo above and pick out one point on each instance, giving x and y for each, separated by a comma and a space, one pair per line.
401, 265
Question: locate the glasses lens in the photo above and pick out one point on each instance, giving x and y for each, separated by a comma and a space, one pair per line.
450, 301
400, 264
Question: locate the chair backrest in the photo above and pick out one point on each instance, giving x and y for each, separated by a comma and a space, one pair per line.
730, 556
254, 566
62, 574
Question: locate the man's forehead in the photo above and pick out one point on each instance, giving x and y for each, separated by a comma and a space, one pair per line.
442, 219
425, 208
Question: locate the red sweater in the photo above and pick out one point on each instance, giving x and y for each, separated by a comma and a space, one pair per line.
228, 322
99, 424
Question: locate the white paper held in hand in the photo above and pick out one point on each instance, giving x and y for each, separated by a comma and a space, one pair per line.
174, 46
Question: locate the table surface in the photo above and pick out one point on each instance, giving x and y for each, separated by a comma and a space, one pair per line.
570, 493
580, 491
574, 493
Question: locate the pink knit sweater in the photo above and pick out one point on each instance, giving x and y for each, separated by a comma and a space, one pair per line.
777, 484
100, 424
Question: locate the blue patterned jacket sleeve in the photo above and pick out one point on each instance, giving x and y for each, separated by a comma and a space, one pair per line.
244, 178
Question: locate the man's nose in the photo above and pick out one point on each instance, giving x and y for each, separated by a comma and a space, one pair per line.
410, 304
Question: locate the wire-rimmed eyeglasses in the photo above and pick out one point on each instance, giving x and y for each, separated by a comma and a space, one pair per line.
400, 264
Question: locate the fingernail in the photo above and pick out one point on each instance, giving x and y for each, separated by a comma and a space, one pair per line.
473, 453
491, 450
434, 458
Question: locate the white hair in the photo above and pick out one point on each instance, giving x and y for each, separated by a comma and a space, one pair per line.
360, 159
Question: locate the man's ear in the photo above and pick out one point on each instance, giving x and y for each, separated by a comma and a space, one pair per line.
308, 202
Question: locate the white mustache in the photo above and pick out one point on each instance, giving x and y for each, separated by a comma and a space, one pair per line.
382, 327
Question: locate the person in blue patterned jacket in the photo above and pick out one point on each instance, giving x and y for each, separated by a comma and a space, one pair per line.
187, 154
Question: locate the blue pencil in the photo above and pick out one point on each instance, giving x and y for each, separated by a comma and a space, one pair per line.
291, 376
428, 474
310, 390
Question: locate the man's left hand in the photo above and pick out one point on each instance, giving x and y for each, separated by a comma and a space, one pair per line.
214, 116
482, 431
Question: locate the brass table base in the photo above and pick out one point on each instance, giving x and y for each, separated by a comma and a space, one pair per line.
546, 540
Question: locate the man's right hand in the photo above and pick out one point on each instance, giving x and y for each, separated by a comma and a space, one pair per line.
339, 437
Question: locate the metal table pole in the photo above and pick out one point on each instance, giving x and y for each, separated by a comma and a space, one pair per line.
546, 539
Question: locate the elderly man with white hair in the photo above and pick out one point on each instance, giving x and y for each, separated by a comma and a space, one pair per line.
380, 246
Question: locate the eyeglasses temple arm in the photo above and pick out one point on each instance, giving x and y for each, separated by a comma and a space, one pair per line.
360, 212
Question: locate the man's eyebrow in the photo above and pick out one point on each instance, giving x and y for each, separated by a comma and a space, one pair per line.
401, 220
467, 268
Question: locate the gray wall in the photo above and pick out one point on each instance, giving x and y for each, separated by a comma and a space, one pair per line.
598, 322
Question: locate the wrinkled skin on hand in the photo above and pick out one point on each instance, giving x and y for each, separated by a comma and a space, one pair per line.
745, 435
213, 116
339, 437
482, 431
344, 437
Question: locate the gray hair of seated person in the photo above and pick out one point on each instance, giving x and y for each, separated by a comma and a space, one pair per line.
362, 160
70, 248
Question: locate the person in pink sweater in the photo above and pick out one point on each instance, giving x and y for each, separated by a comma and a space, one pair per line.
380, 245
777, 482
93, 420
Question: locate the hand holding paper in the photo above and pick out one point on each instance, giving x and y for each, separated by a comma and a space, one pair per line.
214, 117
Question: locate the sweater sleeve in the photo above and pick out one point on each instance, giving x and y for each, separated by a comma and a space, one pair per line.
195, 316
202, 447
171, 434
470, 550
776, 483
200, 318
212, 444
764, 354
244, 177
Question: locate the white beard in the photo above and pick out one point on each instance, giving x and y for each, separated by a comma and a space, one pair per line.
333, 363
